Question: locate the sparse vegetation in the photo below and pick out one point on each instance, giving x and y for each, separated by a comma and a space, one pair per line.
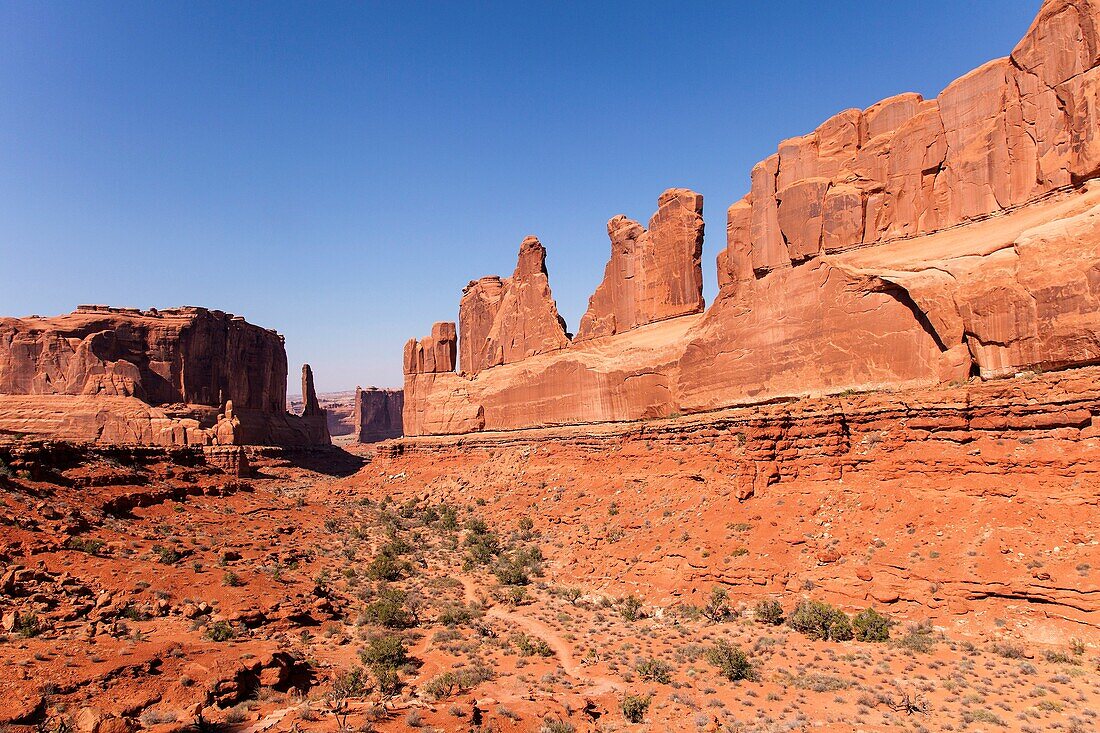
732, 663
819, 620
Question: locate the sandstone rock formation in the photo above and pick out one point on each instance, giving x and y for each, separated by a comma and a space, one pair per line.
121, 375
313, 417
377, 414
654, 274
912, 243
434, 353
503, 321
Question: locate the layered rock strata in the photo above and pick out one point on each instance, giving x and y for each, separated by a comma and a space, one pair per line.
911, 243
184, 376
960, 503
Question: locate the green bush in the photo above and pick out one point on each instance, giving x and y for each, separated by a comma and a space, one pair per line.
167, 555
385, 651
388, 567
482, 545
870, 625
231, 579
717, 607
634, 708
531, 645
220, 631
85, 544
918, 638
517, 567
820, 621
768, 611
27, 625
457, 681
654, 670
353, 683
630, 608
732, 663
388, 610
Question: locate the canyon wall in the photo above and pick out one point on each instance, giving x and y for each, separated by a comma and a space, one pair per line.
169, 377
912, 243
377, 414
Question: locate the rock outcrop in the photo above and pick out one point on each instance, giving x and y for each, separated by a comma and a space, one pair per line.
168, 377
912, 243
654, 274
377, 414
502, 321
313, 417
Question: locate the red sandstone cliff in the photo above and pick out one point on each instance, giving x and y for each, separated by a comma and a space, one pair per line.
912, 243
654, 274
377, 414
172, 377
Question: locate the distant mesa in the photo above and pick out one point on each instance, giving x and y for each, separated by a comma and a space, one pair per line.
913, 243
173, 377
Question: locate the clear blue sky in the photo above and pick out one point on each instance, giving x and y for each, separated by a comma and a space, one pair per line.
339, 171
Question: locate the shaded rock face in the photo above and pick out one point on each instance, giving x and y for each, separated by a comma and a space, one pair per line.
377, 414
156, 377
653, 274
313, 417
911, 243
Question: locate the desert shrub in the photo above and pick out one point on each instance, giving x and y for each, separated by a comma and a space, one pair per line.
981, 715
448, 518
654, 670
388, 567
1006, 650
231, 579
220, 631
819, 620
732, 663
517, 567
768, 611
352, 683
85, 544
870, 625
570, 594
556, 725
530, 645
384, 651
717, 607
482, 545
167, 555
630, 608
457, 681
27, 625
454, 614
634, 708
918, 638
389, 610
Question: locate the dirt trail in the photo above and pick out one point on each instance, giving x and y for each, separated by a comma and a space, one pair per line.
594, 684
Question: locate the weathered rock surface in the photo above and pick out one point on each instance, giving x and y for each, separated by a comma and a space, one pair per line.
434, 353
932, 502
313, 417
377, 414
505, 320
912, 243
120, 375
654, 274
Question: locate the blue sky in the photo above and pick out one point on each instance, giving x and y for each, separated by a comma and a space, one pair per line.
339, 171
